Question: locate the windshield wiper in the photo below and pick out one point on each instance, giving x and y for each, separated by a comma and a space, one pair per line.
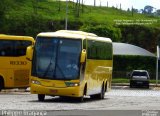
48, 67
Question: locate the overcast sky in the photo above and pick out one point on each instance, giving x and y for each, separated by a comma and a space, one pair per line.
125, 4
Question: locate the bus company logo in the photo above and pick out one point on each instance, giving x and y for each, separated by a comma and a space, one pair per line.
18, 62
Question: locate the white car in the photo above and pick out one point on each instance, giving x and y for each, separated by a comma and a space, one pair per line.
139, 78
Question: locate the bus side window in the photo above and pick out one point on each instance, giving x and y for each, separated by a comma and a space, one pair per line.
3, 53
21, 46
7, 48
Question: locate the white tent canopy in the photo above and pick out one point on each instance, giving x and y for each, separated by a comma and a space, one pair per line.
128, 49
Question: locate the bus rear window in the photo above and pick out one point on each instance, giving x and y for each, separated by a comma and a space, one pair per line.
13, 47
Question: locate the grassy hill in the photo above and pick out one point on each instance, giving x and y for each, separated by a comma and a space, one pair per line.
29, 17
49, 10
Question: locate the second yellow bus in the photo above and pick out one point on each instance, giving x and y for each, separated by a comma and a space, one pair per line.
14, 67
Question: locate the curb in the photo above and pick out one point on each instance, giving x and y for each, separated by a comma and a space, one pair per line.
127, 84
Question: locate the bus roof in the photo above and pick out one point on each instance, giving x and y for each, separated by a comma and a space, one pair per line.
77, 32
74, 35
104, 39
66, 34
15, 37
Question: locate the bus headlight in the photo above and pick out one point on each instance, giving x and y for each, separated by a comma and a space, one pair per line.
72, 84
36, 82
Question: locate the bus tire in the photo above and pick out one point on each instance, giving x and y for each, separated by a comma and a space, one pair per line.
1, 83
102, 94
41, 97
93, 96
81, 99
106, 87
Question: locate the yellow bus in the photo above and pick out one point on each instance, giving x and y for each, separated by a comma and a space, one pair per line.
14, 67
71, 63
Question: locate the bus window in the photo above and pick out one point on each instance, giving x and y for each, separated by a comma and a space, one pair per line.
99, 50
13, 48
52, 55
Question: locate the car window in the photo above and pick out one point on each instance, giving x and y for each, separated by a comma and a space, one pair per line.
136, 73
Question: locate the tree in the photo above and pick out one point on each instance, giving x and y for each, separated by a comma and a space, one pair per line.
158, 12
104, 31
5, 5
135, 10
128, 10
59, 5
148, 9
82, 6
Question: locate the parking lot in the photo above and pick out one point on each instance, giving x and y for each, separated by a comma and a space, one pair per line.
119, 98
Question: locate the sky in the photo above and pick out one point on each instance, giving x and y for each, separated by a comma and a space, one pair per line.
125, 4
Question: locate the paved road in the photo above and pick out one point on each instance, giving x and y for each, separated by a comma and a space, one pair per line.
120, 98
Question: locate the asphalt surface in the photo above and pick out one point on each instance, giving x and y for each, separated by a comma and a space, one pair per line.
120, 101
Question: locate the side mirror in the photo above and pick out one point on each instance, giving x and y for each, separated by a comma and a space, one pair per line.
83, 56
29, 53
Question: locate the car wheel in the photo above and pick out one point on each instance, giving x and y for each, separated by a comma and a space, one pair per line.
131, 85
147, 86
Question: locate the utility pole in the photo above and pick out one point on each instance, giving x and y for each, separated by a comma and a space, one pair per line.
66, 20
157, 65
94, 2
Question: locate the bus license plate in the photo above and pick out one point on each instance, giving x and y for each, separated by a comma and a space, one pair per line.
53, 91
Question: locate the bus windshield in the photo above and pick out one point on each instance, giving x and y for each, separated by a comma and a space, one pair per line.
56, 58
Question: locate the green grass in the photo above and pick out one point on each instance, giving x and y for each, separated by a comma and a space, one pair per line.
120, 80
49, 10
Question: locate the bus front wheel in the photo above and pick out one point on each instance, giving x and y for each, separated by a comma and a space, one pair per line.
1, 84
41, 97
80, 99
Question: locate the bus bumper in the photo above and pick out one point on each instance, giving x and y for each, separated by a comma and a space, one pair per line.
52, 91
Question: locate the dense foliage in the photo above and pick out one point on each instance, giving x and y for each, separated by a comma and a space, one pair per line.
142, 36
104, 31
125, 64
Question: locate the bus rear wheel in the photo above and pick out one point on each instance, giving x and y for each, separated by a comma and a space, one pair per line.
102, 94
41, 97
